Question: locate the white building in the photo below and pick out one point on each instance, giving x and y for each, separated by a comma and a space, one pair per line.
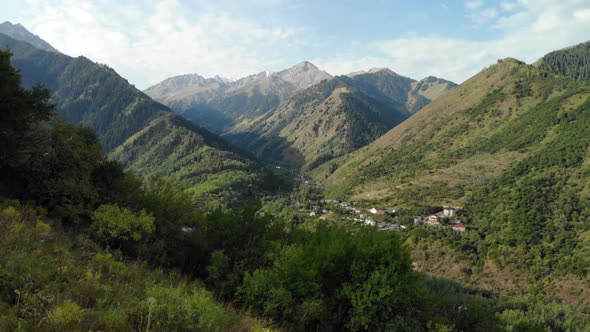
449, 211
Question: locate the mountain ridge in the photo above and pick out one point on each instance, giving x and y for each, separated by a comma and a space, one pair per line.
332, 117
19, 32
95, 96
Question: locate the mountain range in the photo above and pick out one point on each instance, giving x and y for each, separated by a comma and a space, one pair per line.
510, 145
300, 116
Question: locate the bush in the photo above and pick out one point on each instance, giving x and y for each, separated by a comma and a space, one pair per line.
65, 317
112, 224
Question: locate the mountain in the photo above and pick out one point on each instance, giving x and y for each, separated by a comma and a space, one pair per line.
511, 146
334, 117
573, 62
300, 115
19, 32
451, 146
143, 134
383, 83
185, 90
303, 75
219, 105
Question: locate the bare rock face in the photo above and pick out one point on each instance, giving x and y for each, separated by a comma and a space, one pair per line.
303, 75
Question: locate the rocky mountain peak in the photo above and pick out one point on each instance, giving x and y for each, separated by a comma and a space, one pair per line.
303, 75
19, 32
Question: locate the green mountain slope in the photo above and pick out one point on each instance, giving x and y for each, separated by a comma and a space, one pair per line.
511, 146
573, 62
209, 166
320, 123
94, 96
461, 140
334, 117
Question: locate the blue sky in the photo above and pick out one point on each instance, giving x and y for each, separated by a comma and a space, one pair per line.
147, 41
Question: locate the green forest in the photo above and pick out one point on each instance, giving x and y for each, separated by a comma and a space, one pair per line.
86, 245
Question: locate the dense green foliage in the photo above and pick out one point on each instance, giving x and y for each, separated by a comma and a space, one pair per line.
110, 222
20, 111
51, 281
513, 150
573, 62
536, 214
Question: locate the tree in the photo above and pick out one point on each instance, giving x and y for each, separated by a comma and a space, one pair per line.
21, 111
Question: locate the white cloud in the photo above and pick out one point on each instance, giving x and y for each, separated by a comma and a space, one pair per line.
508, 6
149, 44
536, 28
473, 4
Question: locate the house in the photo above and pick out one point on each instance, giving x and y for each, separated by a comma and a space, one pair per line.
449, 211
379, 211
418, 220
433, 220
459, 227
345, 205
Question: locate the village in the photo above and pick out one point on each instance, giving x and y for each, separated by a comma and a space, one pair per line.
385, 219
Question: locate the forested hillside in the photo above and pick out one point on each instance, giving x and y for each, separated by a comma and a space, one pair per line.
510, 146
206, 164
94, 96
573, 62
318, 124
461, 140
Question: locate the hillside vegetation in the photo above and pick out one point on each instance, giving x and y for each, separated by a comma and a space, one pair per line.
135, 130
53, 281
510, 145
463, 139
170, 147
572, 62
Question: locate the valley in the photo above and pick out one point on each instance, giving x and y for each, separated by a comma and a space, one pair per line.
294, 200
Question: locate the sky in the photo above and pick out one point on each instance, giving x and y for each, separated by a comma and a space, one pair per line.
146, 41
